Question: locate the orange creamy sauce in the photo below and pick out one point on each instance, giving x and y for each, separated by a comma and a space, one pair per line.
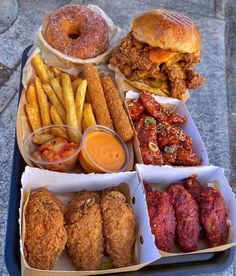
105, 151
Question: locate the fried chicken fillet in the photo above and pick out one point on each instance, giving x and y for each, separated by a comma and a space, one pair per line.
45, 236
119, 228
84, 228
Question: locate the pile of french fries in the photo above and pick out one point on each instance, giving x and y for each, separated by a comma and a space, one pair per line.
58, 98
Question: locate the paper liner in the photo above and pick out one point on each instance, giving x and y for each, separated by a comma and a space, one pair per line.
64, 185
189, 127
71, 64
161, 177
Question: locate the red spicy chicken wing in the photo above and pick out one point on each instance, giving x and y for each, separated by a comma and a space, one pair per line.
187, 216
162, 219
213, 217
158, 111
146, 129
194, 187
186, 158
136, 108
168, 135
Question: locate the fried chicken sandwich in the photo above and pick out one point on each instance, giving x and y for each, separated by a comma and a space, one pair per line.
159, 53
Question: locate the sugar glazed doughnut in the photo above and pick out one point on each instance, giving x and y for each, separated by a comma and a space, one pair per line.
77, 31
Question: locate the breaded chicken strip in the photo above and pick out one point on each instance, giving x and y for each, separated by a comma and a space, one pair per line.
119, 228
45, 236
84, 228
213, 215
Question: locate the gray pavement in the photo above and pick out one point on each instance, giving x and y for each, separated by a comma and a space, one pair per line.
213, 107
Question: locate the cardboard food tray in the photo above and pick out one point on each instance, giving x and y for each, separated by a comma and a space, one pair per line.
177, 265
161, 177
189, 126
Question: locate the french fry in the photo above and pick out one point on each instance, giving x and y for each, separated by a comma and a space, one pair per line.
57, 120
31, 97
43, 103
54, 100
56, 71
40, 68
88, 117
50, 74
55, 116
32, 116
75, 84
58, 132
70, 104
55, 83
79, 102
42, 138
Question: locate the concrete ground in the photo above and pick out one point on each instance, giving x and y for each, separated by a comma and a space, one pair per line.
213, 107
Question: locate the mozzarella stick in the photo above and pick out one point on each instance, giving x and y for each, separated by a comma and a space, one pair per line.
119, 117
96, 96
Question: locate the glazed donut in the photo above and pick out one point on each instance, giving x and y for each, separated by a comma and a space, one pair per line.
77, 31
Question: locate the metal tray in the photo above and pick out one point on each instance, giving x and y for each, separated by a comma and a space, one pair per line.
178, 265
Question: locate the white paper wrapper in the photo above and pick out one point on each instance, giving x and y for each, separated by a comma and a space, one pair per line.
61, 183
161, 177
71, 64
189, 127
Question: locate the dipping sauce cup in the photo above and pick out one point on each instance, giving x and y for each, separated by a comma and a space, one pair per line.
103, 151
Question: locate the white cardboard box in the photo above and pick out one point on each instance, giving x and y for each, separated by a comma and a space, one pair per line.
161, 177
61, 183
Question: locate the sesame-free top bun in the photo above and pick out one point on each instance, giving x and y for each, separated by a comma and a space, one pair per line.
167, 30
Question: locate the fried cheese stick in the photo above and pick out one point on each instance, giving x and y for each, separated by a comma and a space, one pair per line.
96, 96
119, 117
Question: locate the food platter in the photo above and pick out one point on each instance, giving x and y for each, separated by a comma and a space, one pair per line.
188, 264
54, 134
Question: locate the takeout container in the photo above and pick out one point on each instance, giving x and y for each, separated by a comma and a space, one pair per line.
70, 64
64, 185
87, 160
161, 177
189, 126
62, 131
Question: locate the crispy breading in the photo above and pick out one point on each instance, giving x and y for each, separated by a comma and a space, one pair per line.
96, 96
115, 105
119, 228
45, 236
84, 228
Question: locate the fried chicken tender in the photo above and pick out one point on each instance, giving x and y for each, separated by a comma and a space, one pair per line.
84, 228
162, 219
213, 216
119, 228
45, 236
187, 216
